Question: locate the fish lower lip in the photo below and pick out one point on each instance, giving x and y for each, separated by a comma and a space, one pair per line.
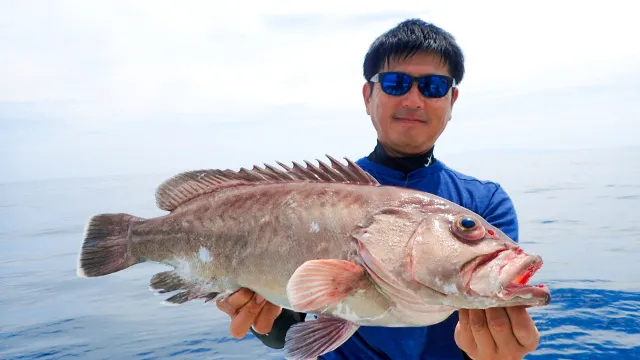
540, 292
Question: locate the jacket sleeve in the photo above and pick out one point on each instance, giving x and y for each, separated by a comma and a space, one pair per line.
501, 213
275, 338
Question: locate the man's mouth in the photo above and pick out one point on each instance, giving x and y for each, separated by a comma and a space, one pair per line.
410, 119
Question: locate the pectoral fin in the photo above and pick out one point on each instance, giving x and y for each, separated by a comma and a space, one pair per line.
319, 284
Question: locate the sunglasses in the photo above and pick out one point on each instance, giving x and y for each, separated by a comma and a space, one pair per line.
398, 84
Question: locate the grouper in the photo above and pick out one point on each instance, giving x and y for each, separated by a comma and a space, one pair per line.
325, 239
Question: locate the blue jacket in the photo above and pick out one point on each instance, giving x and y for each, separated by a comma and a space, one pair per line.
435, 342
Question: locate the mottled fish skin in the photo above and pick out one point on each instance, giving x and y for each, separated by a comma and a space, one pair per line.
248, 230
327, 240
257, 236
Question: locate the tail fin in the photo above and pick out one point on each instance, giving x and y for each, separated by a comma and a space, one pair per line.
105, 245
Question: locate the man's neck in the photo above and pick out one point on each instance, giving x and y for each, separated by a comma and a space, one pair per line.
404, 164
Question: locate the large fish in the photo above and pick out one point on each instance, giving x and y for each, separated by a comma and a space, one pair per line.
327, 240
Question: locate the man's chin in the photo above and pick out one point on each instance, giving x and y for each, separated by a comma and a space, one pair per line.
406, 147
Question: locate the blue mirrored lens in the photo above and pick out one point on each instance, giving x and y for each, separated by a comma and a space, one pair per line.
434, 86
395, 83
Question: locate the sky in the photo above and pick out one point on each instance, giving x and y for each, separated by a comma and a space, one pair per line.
118, 87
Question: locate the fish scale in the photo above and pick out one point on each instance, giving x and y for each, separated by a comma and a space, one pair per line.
327, 239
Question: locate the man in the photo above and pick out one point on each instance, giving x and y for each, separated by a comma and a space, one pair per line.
409, 115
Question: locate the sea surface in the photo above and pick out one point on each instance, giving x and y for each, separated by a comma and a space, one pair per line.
579, 209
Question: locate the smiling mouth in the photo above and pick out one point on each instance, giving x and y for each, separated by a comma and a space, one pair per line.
412, 120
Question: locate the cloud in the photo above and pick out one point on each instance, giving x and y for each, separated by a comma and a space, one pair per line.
137, 86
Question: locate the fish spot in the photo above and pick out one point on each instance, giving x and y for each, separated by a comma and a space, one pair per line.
204, 255
314, 227
450, 289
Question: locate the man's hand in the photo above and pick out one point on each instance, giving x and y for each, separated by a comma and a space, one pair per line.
497, 333
247, 309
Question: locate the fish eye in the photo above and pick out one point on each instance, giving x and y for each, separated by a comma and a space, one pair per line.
468, 228
467, 223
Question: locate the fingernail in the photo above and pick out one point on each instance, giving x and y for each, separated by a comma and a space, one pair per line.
259, 299
259, 332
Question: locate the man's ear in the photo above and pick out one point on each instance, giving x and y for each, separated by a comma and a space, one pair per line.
366, 96
454, 96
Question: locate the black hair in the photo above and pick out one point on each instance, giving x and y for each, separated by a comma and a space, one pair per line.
409, 37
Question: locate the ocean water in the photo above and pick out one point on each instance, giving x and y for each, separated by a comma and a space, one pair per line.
578, 209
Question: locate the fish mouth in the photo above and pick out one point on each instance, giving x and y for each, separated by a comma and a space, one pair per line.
514, 278
513, 268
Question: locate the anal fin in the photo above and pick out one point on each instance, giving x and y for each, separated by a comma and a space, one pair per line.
310, 339
167, 281
170, 281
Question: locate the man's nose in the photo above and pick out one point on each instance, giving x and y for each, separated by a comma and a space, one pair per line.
413, 99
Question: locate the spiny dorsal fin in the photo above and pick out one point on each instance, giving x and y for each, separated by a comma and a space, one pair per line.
191, 184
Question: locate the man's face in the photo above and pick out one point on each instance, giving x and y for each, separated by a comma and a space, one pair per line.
411, 123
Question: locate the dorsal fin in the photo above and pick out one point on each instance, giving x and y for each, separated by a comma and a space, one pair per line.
186, 186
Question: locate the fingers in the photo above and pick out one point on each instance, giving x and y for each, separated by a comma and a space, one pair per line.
248, 309
264, 321
235, 301
493, 333
524, 329
500, 328
480, 330
462, 335
246, 316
